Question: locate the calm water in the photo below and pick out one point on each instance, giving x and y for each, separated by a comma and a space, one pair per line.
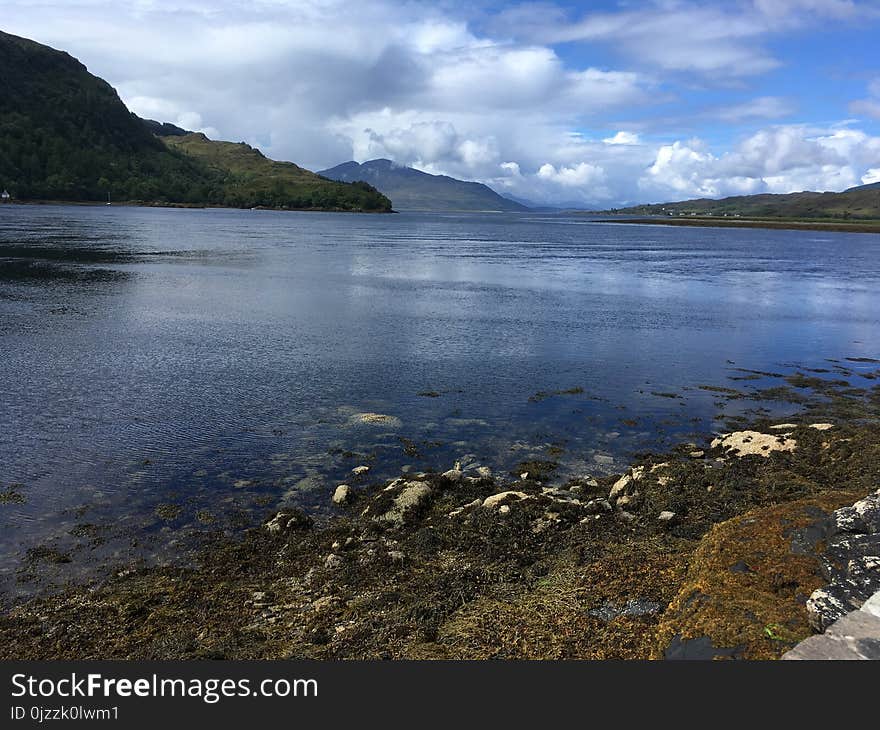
213, 360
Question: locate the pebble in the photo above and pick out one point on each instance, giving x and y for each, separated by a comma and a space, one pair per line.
342, 494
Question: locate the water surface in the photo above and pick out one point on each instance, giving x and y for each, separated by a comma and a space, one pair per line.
214, 361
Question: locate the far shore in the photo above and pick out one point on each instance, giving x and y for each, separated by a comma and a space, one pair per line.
189, 206
719, 222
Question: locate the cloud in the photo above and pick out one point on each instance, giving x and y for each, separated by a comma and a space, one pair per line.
783, 159
533, 100
764, 107
623, 138
715, 40
869, 107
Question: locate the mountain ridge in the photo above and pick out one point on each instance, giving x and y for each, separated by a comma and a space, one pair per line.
415, 190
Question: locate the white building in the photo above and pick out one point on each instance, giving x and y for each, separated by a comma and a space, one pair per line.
5, 196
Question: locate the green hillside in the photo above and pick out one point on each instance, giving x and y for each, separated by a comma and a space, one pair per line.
253, 179
861, 202
412, 189
66, 135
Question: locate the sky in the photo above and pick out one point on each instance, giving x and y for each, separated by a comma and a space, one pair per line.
599, 104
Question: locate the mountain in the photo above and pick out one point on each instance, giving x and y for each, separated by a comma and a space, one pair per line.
257, 180
862, 202
66, 135
412, 189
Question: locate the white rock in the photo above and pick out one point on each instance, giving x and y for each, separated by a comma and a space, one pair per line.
872, 605
359, 470
332, 561
743, 443
510, 496
666, 516
484, 472
822, 426
342, 494
453, 475
524, 475
504, 509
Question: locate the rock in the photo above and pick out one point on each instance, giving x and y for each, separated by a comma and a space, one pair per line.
626, 483
504, 509
628, 500
243, 483
666, 516
625, 516
397, 556
598, 506
744, 443
872, 605
697, 454
453, 475
484, 472
288, 521
360, 470
498, 500
863, 517
822, 648
620, 487
603, 459
374, 419
524, 475
826, 605
410, 499
342, 494
822, 426
784, 427
333, 561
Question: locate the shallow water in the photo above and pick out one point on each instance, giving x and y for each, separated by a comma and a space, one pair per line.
215, 360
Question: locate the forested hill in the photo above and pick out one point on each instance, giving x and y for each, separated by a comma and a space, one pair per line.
862, 202
66, 135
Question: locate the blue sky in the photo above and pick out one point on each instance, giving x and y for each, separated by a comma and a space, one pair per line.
595, 104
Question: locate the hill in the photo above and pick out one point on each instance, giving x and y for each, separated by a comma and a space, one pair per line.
412, 189
255, 180
66, 135
862, 202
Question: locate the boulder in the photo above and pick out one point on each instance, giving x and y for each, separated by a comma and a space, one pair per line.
412, 497
288, 521
342, 494
453, 475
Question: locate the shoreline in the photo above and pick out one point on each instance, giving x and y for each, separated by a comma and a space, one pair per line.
717, 222
701, 552
185, 206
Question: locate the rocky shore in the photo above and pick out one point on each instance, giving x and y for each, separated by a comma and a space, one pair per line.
710, 551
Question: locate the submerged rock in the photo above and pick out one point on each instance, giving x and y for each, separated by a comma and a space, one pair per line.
374, 419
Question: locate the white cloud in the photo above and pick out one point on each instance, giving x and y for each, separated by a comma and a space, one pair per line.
763, 107
622, 137
779, 160
869, 107
451, 89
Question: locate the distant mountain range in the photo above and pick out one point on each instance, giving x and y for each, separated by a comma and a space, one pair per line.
412, 189
66, 135
862, 202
